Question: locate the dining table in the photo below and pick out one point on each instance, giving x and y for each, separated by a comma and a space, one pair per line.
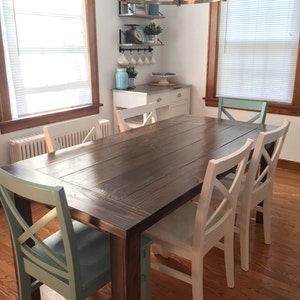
124, 183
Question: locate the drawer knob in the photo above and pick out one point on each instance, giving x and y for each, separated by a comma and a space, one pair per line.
179, 95
158, 99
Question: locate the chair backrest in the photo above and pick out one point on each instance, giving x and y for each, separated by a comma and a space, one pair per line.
47, 264
264, 161
251, 105
72, 132
126, 117
217, 202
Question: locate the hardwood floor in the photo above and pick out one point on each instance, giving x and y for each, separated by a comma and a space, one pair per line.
274, 270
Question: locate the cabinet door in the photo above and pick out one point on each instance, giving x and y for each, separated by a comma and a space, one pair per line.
179, 102
180, 94
178, 108
159, 99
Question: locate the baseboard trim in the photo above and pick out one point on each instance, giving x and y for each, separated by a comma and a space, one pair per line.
289, 165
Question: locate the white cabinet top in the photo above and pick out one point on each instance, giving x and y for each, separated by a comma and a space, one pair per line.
149, 89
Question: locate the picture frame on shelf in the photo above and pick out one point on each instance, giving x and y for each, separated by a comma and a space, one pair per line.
141, 9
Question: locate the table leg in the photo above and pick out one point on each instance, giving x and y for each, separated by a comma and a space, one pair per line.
125, 267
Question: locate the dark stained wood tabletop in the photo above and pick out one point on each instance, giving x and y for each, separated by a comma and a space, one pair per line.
124, 183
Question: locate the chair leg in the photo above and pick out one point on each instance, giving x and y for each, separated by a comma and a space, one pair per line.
25, 287
244, 240
197, 279
267, 220
229, 258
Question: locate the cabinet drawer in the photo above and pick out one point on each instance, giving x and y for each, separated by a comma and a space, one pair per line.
159, 100
180, 94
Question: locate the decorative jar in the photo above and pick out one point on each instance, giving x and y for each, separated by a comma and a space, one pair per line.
121, 79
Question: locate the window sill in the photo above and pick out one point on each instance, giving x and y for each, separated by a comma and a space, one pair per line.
29, 122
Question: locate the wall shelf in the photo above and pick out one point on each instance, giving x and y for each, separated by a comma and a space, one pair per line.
137, 47
140, 16
128, 41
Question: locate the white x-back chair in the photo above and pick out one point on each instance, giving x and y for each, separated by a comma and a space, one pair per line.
194, 228
125, 117
257, 187
72, 132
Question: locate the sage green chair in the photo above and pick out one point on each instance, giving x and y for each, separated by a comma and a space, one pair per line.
259, 107
74, 261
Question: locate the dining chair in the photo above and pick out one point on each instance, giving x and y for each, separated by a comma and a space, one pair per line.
136, 117
72, 132
74, 261
257, 187
260, 107
194, 228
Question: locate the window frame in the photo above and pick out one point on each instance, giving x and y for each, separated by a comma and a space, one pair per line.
9, 125
210, 98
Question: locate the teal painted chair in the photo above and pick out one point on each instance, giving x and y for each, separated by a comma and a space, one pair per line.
74, 261
260, 107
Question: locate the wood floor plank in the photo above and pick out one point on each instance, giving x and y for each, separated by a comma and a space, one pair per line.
274, 270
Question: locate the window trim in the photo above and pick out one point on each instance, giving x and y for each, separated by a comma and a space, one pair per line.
9, 125
210, 98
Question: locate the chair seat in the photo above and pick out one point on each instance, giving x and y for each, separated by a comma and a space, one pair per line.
176, 228
93, 253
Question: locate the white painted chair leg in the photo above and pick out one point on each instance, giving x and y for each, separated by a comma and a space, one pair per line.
267, 220
197, 280
229, 258
244, 241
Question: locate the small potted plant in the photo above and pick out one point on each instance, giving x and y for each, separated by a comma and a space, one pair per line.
132, 73
152, 30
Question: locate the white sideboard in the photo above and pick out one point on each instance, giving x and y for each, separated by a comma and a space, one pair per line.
169, 101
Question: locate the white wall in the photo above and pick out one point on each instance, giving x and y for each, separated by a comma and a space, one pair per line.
185, 37
185, 53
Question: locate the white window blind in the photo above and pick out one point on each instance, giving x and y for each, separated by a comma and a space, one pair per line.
46, 55
258, 46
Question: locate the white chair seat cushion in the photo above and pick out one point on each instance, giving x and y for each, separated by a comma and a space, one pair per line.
176, 228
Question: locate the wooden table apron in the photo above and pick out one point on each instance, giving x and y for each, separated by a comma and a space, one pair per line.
124, 183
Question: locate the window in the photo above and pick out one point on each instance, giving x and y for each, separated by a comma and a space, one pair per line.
254, 53
46, 46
